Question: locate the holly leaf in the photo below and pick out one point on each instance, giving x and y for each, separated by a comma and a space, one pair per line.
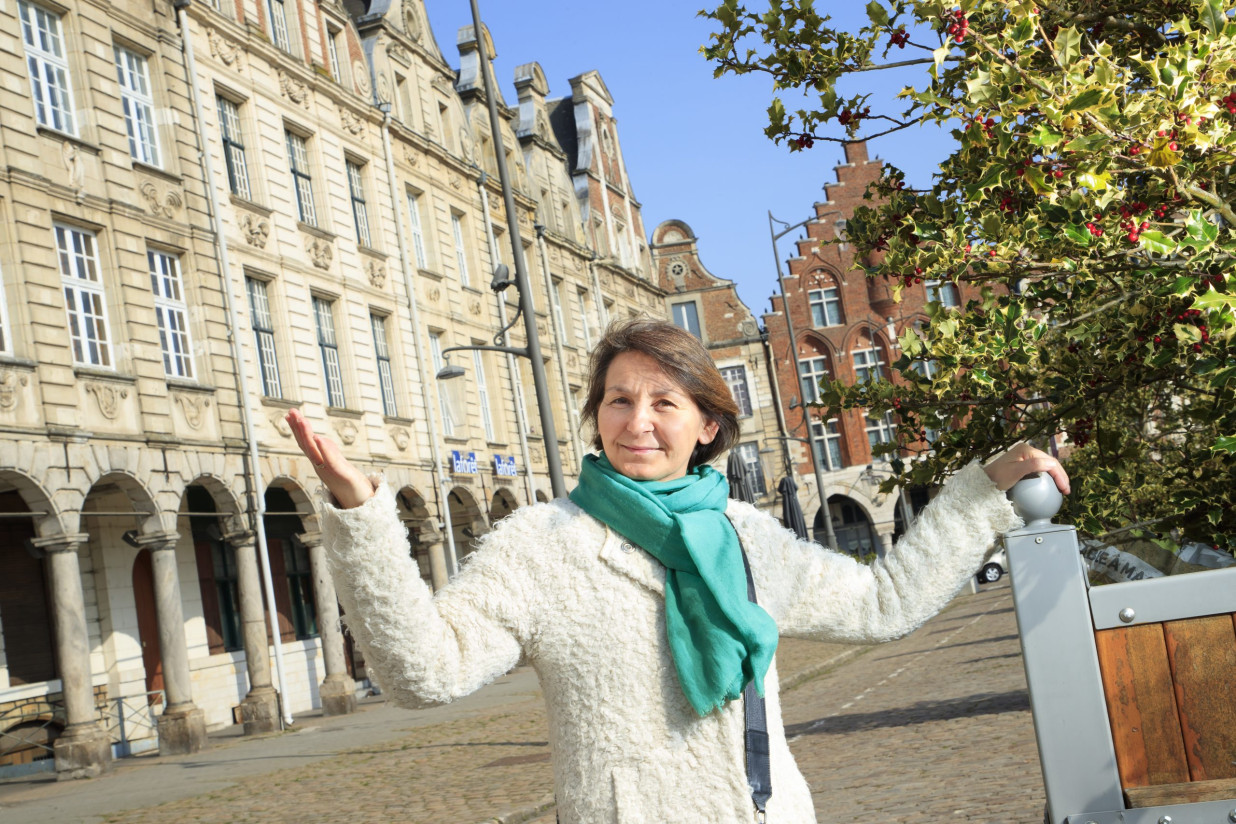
1077, 234
1162, 155
1068, 46
1044, 137
1086, 100
877, 13
1037, 180
1157, 242
1212, 16
1094, 182
1225, 443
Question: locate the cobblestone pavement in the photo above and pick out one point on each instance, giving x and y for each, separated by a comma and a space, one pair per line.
934, 727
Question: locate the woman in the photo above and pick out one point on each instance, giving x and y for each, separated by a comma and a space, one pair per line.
630, 601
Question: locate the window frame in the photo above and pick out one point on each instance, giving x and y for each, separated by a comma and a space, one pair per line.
823, 302
356, 191
807, 368
231, 132
555, 294
75, 267
138, 105
873, 355
435, 354
328, 348
53, 102
482, 391
6, 338
279, 29
461, 254
386, 373
745, 408
332, 52
175, 338
879, 430
581, 295
695, 316
826, 444
302, 178
943, 292
749, 454
264, 337
418, 230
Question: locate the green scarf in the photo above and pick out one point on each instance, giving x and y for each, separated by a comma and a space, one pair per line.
719, 640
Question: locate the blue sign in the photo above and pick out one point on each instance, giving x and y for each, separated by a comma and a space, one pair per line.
504, 466
463, 463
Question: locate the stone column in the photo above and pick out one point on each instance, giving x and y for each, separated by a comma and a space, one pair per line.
338, 690
84, 749
433, 541
260, 707
886, 540
182, 725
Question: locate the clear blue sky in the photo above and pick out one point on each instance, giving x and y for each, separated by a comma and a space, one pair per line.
694, 145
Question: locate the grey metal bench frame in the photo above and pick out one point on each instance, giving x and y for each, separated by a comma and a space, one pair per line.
1057, 615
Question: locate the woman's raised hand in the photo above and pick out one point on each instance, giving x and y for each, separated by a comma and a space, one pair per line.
1023, 460
347, 483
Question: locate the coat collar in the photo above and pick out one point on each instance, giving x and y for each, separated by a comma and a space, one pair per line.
628, 559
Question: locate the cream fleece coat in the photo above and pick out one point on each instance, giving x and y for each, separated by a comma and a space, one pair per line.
587, 610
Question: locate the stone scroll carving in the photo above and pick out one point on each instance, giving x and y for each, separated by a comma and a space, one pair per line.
11, 385
320, 252
108, 398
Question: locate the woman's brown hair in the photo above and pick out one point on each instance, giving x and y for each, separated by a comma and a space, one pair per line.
683, 359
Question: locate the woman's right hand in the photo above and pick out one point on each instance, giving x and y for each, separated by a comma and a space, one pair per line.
347, 483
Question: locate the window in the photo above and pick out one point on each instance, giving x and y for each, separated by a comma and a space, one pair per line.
686, 316
555, 294
83, 296
300, 588
324, 317
264, 333
750, 455
356, 188
217, 577
943, 293
482, 390
278, 24
6, 345
826, 443
233, 148
810, 372
405, 99
435, 351
138, 104
418, 234
736, 379
868, 365
302, 181
48, 68
172, 315
385, 378
825, 306
332, 52
880, 430
461, 257
582, 295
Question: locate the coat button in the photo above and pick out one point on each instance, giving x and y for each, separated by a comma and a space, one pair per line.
627, 546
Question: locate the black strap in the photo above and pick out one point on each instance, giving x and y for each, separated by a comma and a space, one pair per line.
759, 766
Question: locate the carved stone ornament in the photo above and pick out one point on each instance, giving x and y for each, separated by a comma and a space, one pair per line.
572, 361
256, 230
280, 425
749, 328
435, 294
442, 84
412, 20
73, 164
361, 72
292, 88
108, 397
401, 437
397, 53
617, 211
351, 121
194, 406
347, 432
166, 204
222, 50
410, 156
678, 274
384, 88
320, 252
456, 181
474, 306
465, 143
542, 124
10, 388
377, 274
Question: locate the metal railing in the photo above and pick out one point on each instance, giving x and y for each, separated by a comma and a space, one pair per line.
21, 729
132, 722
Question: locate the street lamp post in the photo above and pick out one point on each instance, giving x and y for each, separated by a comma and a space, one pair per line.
533, 350
831, 536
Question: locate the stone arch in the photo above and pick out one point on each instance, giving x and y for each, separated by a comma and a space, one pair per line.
685, 232
26, 607
45, 517
117, 488
864, 336
541, 497
423, 529
231, 512
289, 515
503, 504
215, 557
301, 500
853, 525
467, 521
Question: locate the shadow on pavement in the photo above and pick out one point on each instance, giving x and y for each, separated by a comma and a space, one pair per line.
923, 712
992, 640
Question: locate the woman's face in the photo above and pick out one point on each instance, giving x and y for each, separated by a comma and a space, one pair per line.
648, 425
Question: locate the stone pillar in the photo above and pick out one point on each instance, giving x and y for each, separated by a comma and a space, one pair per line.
84, 749
886, 541
338, 690
260, 707
434, 542
182, 725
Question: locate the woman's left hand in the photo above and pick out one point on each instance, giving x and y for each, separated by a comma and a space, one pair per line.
1023, 460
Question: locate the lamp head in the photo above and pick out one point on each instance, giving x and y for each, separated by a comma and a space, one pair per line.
501, 278
450, 371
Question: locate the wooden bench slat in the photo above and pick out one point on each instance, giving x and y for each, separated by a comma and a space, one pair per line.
1141, 705
1203, 657
1192, 792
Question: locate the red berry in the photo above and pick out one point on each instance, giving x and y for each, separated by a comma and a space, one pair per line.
1134, 236
1172, 145
1134, 150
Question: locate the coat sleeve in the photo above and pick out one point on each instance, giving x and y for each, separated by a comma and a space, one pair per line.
420, 647
817, 593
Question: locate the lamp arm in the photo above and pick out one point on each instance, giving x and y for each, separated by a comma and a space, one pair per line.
510, 350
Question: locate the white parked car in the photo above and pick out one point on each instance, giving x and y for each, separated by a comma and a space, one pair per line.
995, 568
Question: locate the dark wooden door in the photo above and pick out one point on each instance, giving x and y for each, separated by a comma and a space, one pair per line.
147, 621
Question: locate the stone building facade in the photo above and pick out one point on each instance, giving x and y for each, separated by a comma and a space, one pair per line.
845, 327
212, 215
